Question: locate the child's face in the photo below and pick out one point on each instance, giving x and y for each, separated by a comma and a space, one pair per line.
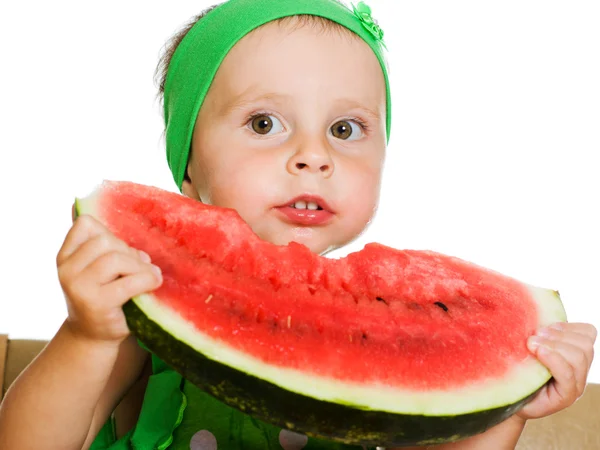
282, 122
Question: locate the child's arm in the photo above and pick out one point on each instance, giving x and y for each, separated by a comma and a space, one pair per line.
503, 436
63, 398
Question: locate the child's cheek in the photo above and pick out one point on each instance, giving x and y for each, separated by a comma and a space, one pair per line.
361, 195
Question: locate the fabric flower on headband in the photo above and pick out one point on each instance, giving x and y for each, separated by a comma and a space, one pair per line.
363, 12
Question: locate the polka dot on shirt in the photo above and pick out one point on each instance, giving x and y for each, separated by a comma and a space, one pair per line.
292, 441
203, 440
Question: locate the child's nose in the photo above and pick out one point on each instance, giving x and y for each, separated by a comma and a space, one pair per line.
314, 158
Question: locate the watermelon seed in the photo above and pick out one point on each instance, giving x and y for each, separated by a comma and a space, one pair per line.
350, 336
289, 322
208, 299
364, 336
441, 305
381, 299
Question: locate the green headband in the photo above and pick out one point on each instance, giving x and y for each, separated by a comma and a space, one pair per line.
201, 52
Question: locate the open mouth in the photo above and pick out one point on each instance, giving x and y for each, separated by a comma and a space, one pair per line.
306, 210
301, 204
309, 202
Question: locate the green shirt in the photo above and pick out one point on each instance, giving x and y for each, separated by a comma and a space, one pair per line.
176, 415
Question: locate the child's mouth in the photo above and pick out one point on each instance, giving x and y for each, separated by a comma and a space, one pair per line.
306, 210
301, 204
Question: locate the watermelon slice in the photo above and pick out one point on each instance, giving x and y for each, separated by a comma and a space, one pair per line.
382, 347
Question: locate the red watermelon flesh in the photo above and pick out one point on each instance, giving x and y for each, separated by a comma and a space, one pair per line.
402, 318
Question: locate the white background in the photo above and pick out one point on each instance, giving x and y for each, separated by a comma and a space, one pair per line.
493, 156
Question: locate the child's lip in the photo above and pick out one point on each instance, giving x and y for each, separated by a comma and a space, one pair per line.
304, 217
309, 198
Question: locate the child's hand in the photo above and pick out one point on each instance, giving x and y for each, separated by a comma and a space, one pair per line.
98, 274
567, 351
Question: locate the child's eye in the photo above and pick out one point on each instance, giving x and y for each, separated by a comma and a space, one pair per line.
265, 123
348, 130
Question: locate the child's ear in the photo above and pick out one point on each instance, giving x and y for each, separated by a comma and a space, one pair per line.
187, 187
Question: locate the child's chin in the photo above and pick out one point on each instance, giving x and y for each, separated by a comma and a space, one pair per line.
308, 236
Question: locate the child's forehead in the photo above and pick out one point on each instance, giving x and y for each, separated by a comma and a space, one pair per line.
279, 60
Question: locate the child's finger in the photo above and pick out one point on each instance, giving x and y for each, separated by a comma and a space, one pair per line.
84, 289
91, 250
582, 341
585, 329
568, 366
112, 265
84, 228
132, 285
562, 391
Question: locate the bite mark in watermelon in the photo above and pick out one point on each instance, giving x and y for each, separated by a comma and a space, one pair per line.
382, 347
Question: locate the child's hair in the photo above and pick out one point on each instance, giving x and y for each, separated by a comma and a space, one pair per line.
160, 74
320, 23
